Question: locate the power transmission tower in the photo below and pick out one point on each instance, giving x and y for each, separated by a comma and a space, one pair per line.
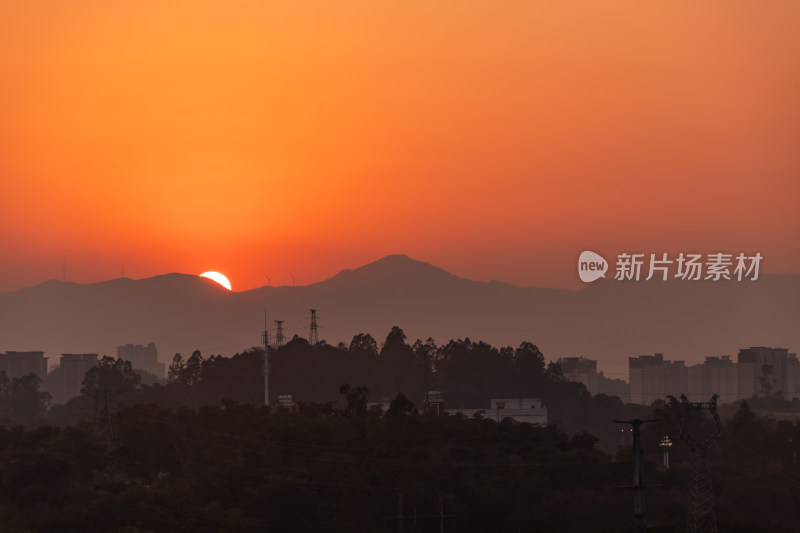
265, 360
104, 430
639, 508
279, 333
702, 516
313, 337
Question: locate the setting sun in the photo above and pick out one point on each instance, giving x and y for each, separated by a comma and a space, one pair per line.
297, 138
219, 278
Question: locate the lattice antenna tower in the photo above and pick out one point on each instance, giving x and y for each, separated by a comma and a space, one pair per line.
279, 339
313, 336
265, 359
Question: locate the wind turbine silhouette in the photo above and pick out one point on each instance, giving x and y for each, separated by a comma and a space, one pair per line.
269, 279
293, 278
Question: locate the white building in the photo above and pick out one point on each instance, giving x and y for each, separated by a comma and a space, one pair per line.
528, 410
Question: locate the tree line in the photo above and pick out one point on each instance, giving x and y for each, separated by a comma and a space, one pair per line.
468, 373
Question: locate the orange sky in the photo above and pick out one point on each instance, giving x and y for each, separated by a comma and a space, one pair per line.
494, 139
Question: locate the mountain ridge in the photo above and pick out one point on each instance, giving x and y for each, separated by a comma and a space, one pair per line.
607, 320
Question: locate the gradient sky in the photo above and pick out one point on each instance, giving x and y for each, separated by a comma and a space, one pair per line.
494, 139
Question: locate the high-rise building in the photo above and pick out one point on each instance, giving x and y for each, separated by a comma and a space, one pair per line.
614, 387
791, 378
580, 370
19, 364
653, 378
764, 371
584, 370
142, 358
716, 375
72, 371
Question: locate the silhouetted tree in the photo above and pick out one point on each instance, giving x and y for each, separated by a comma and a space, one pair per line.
108, 379
395, 343
192, 370
356, 400
470, 373
27, 404
236, 378
529, 360
21, 401
114, 376
363, 344
554, 373
5, 413
396, 365
425, 355
401, 407
175, 369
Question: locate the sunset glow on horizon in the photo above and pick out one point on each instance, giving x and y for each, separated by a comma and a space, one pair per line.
295, 140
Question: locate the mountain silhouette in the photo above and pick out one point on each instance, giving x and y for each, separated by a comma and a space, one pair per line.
397, 268
608, 320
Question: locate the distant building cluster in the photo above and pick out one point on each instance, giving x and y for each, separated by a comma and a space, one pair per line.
73, 369
583, 370
64, 382
758, 371
19, 364
142, 358
652, 378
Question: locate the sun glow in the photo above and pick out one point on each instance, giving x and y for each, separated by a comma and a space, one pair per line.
219, 278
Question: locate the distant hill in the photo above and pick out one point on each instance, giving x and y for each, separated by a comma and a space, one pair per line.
607, 320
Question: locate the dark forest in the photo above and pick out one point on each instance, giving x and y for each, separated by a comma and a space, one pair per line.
201, 452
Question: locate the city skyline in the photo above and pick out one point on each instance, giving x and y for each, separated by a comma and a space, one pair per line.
610, 320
